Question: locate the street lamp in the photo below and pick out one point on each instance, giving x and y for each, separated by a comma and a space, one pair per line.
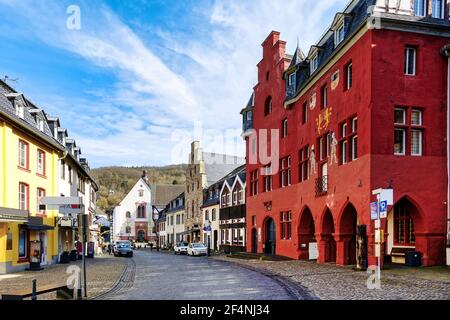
207, 228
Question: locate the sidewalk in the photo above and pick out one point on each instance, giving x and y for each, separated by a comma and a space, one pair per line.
102, 274
331, 282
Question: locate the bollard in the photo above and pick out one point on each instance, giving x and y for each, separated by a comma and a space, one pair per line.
33, 294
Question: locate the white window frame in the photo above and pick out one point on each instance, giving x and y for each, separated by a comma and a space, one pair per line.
424, 3
404, 116
420, 153
349, 75
354, 124
41, 162
314, 63
406, 67
23, 194
354, 154
23, 154
344, 159
291, 79
285, 128
420, 117
442, 13
404, 142
339, 34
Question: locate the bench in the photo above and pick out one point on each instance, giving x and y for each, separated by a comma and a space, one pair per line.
398, 255
62, 292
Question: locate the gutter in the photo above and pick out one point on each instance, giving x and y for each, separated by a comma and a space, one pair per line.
446, 53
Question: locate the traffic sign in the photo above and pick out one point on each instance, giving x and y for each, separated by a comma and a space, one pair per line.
70, 209
59, 201
383, 209
374, 211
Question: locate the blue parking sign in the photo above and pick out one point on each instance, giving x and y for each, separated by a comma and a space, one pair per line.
374, 210
383, 209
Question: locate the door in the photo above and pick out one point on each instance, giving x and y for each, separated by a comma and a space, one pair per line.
270, 237
141, 236
215, 240
254, 241
43, 238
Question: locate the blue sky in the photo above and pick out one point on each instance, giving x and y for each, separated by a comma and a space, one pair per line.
143, 78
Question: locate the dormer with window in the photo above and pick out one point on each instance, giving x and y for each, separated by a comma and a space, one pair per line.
313, 57
338, 27
20, 108
247, 117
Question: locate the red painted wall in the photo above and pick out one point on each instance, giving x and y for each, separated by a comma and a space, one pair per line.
378, 85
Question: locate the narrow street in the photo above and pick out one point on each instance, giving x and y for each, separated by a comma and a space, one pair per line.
163, 276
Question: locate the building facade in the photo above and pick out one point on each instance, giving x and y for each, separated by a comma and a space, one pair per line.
203, 170
210, 212
175, 215
132, 218
364, 109
74, 180
233, 212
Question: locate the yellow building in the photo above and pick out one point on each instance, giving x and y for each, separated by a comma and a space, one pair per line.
28, 171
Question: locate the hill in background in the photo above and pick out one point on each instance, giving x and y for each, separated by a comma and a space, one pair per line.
116, 182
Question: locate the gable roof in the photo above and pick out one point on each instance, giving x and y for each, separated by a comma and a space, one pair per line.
218, 165
299, 57
163, 194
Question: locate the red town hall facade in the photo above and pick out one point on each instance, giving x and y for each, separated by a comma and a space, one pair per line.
366, 108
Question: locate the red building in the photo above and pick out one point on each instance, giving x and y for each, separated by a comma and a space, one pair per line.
366, 108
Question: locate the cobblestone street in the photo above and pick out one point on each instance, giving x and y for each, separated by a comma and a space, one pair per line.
163, 276
102, 273
330, 282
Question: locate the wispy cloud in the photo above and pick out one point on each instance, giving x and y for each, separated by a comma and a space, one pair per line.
209, 79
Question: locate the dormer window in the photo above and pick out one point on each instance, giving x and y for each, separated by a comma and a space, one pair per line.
437, 9
249, 116
420, 8
40, 123
20, 109
314, 63
339, 34
291, 80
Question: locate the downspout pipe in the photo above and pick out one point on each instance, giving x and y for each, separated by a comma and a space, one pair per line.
446, 52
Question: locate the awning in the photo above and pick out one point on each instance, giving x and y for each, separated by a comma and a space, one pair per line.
37, 224
13, 215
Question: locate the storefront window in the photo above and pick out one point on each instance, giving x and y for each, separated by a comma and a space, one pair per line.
22, 243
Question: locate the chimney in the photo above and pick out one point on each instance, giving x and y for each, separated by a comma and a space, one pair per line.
145, 176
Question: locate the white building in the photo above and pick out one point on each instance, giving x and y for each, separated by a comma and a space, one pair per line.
132, 218
175, 230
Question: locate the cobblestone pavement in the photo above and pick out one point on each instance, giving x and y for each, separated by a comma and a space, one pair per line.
331, 282
102, 273
165, 276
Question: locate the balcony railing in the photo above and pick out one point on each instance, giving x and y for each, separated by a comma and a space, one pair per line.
321, 186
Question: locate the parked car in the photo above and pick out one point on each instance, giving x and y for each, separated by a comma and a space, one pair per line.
181, 248
123, 248
196, 249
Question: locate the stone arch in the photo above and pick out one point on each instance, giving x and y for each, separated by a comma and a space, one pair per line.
327, 245
269, 236
306, 232
347, 234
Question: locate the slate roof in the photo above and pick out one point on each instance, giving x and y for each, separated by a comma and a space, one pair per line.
298, 57
219, 165
179, 207
230, 177
163, 194
7, 108
355, 14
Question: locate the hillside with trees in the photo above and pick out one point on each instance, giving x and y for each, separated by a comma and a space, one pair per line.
116, 182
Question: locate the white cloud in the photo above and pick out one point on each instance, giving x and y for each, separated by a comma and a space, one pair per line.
211, 87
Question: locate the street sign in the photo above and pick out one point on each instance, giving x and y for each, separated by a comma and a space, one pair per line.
59, 201
374, 211
70, 209
383, 209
